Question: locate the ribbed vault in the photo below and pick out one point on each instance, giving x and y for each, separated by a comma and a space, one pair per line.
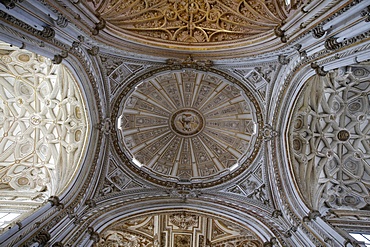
329, 139
43, 130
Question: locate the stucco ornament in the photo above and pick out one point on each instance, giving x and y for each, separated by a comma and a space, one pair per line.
43, 127
188, 125
190, 22
329, 140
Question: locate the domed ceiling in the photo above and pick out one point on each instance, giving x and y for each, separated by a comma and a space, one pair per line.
194, 123
189, 25
188, 125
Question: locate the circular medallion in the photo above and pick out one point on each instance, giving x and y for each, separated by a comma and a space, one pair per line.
343, 135
187, 125
187, 122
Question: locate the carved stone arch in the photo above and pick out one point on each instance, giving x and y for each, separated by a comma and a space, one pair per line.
83, 67
288, 193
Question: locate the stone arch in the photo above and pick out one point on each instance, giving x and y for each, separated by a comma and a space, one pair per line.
247, 228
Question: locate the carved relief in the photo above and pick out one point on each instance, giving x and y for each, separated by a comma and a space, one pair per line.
329, 140
253, 186
191, 21
116, 238
118, 71
43, 126
260, 77
187, 124
183, 229
116, 180
184, 221
182, 240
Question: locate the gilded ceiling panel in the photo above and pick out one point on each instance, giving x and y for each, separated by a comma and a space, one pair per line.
190, 22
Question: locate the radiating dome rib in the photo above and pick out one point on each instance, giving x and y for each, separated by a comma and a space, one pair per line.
187, 124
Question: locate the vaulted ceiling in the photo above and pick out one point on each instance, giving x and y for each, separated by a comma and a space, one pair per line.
184, 123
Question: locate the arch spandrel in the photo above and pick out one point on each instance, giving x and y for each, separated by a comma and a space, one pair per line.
43, 130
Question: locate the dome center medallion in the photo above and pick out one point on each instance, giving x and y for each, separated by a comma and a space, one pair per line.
187, 122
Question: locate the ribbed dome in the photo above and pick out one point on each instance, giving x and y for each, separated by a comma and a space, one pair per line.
187, 124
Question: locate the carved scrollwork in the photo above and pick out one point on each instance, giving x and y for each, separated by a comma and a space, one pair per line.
192, 21
106, 126
329, 140
277, 213
189, 62
269, 133
61, 21
283, 59
45, 124
122, 238
40, 239
48, 32
54, 200
270, 243
94, 236
332, 44
90, 203
319, 70
99, 26
313, 214
10, 4
184, 193
93, 51
184, 220
366, 14
280, 33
